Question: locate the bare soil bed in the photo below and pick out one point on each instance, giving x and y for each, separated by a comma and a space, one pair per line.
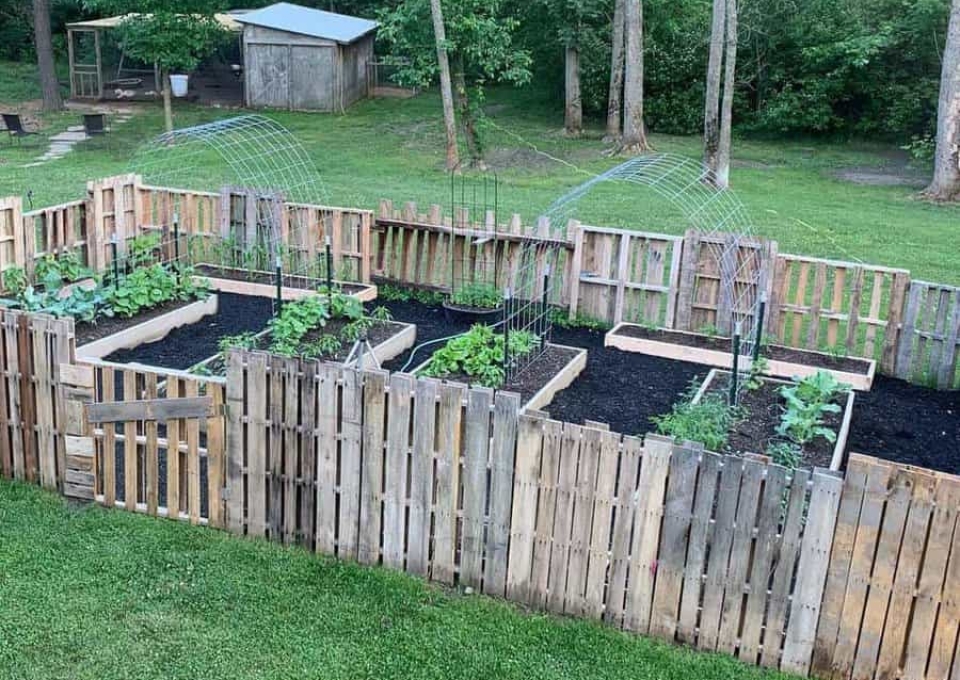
253, 276
188, 345
104, 326
775, 352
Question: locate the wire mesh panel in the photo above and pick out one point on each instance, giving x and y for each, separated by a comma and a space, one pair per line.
244, 172
717, 214
474, 262
527, 324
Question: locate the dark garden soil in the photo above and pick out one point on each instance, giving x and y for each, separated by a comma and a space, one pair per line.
534, 377
762, 410
903, 422
292, 281
775, 352
104, 326
907, 423
378, 333
188, 345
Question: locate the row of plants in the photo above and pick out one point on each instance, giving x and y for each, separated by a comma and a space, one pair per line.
479, 355
300, 327
66, 288
805, 405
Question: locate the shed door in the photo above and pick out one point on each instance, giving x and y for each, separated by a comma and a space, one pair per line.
268, 71
312, 78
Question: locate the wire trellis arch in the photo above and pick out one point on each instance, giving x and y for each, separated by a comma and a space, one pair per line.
718, 214
259, 167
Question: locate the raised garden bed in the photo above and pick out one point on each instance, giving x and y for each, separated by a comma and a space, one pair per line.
263, 283
763, 409
783, 362
539, 382
118, 333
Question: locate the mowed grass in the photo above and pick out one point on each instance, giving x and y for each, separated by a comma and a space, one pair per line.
392, 148
91, 593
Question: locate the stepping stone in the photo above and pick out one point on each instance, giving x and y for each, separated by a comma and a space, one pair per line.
69, 137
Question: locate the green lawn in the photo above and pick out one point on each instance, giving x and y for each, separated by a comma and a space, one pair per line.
394, 149
91, 593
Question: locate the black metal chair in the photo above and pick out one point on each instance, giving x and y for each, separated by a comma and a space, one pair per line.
94, 124
15, 127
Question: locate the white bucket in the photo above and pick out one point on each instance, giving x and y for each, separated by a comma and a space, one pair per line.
178, 85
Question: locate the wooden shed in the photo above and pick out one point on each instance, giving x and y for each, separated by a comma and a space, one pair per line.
305, 59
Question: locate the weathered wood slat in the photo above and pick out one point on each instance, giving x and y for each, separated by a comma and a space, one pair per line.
151, 409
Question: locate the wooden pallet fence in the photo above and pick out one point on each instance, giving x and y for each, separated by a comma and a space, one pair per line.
453, 484
721, 278
32, 404
620, 275
928, 348
431, 250
159, 442
841, 307
11, 242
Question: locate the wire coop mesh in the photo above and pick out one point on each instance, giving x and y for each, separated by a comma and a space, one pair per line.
260, 174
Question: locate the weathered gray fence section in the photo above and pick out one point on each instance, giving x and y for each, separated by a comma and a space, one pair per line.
789, 569
928, 349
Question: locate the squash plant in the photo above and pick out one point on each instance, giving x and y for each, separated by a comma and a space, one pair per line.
478, 353
808, 401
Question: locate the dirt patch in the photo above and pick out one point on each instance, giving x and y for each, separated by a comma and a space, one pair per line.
775, 352
883, 177
89, 331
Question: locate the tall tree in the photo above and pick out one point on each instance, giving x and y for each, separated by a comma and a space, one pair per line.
726, 103
634, 133
446, 88
615, 96
711, 110
45, 62
481, 49
573, 104
946, 169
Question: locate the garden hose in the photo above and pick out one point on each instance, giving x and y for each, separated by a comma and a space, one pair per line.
416, 349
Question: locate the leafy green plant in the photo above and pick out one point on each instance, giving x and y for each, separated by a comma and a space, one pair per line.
325, 345
754, 377
247, 340
477, 296
707, 421
296, 319
835, 352
54, 270
343, 306
143, 250
381, 314
150, 286
15, 280
808, 401
478, 353
785, 453
561, 317
709, 330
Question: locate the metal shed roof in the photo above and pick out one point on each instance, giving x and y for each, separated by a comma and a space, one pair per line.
317, 23
228, 21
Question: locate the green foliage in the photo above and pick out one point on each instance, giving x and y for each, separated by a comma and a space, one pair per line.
15, 280
325, 345
391, 293
147, 287
708, 421
67, 565
808, 401
344, 306
247, 340
52, 270
477, 296
478, 353
561, 317
296, 319
836, 351
789, 454
754, 376
176, 35
381, 313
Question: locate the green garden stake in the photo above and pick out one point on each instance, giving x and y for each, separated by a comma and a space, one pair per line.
279, 275
329, 265
543, 306
176, 247
506, 328
115, 262
758, 335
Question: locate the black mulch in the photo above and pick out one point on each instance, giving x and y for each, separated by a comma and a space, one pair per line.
185, 346
896, 420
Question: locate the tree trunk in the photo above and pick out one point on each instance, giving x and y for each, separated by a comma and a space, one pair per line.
45, 62
634, 135
946, 169
467, 123
573, 106
167, 102
446, 88
615, 98
711, 109
726, 106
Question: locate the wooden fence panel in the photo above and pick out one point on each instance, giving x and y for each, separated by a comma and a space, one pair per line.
620, 275
154, 461
929, 347
841, 307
